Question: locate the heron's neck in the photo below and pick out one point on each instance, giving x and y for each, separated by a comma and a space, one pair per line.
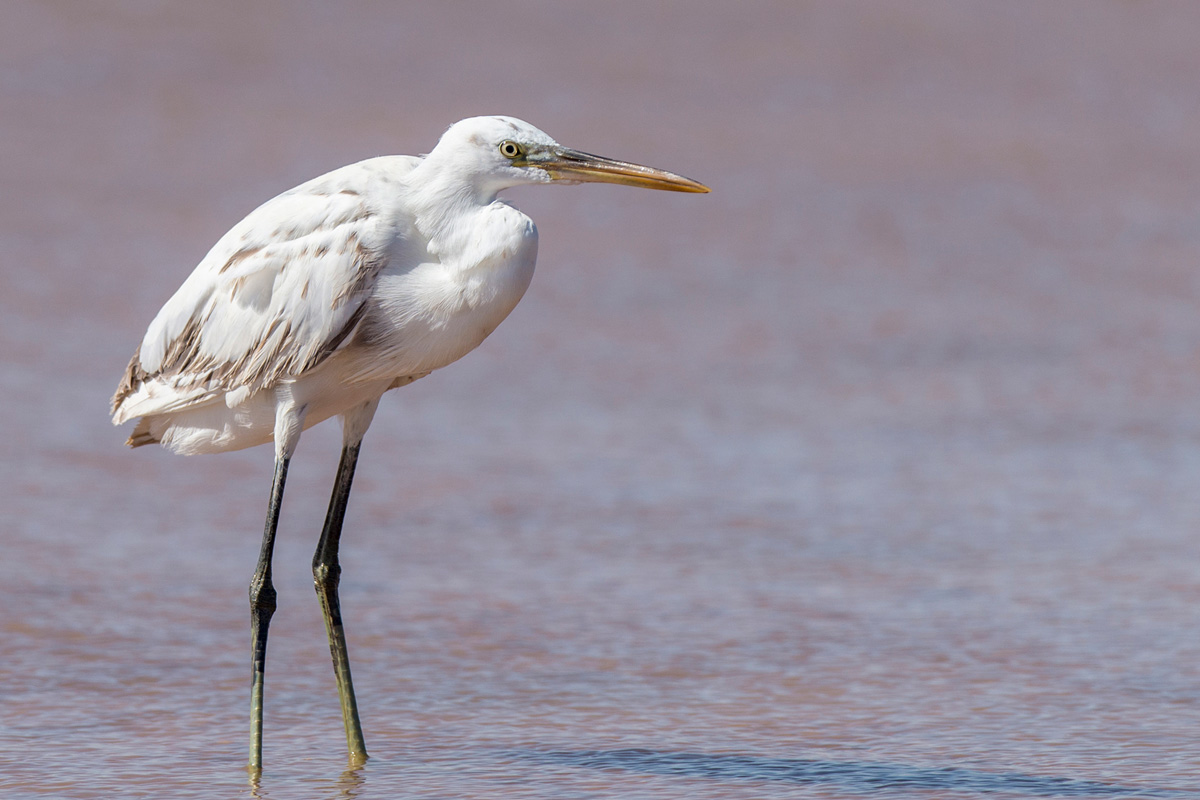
444, 199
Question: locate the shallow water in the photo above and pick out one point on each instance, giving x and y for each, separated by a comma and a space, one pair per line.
873, 472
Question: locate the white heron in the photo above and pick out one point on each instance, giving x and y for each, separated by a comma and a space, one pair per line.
325, 297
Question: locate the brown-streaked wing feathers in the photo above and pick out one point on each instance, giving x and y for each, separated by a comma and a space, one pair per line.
274, 298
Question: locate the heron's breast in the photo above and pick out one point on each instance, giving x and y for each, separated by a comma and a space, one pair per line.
433, 313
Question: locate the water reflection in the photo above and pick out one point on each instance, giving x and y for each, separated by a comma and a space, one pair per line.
351, 782
858, 776
348, 786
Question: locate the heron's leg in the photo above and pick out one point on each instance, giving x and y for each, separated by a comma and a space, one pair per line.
289, 422
262, 606
327, 573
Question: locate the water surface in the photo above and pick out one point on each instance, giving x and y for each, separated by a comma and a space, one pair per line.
872, 473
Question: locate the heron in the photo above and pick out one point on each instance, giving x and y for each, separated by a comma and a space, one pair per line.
327, 296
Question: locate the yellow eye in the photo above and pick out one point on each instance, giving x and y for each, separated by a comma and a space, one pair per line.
510, 149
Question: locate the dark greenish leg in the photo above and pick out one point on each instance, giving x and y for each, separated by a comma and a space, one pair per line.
326, 574
262, 606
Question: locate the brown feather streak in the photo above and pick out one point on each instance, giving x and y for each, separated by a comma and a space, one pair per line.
263, 362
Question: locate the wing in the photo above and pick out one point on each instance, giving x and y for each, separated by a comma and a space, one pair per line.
274, 298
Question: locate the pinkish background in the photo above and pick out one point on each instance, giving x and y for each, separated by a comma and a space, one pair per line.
874, 472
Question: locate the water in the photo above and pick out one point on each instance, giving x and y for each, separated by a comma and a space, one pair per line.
872, 473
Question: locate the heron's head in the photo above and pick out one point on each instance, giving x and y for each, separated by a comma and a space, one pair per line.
495, 153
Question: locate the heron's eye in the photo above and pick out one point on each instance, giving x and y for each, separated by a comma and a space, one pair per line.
510, 149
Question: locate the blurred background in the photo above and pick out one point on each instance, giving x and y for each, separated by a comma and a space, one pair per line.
875, 470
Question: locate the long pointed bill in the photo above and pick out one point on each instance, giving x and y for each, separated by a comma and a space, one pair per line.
574, 166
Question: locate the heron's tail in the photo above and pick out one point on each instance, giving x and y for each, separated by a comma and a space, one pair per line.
141, 434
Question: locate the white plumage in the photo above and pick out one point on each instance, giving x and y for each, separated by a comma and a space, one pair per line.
340, 282
325, 297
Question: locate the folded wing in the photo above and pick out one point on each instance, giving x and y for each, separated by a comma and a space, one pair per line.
275, 297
